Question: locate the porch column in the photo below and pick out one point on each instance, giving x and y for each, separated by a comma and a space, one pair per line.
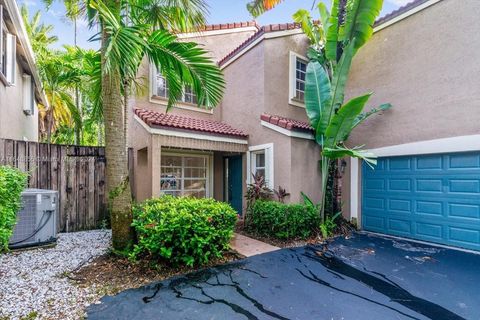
156, 162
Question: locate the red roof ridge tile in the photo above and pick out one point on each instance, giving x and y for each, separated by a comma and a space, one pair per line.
286, 123
174, 121
264, 29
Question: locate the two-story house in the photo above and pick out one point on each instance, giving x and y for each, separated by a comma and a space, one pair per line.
421, 58
20, 86
213, 153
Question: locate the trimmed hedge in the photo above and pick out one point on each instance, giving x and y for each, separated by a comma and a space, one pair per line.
12, 183
183, 230
283, 221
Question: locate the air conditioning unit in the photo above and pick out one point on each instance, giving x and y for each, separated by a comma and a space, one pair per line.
36, 220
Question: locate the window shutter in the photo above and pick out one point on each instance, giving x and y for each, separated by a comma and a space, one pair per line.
10, 58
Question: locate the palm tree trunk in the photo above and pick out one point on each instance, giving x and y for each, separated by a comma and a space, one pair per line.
118, 186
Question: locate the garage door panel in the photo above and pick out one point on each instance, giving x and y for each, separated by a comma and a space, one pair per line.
464, 161
432, 198
432, 231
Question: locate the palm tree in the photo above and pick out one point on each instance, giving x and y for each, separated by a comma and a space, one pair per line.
130, 31
57, 76
257, 7
38, 33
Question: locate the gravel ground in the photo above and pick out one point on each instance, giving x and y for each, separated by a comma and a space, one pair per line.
34, 285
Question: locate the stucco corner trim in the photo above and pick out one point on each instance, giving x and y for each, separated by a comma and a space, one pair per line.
444, 145
191, 135
354, 192
289, 133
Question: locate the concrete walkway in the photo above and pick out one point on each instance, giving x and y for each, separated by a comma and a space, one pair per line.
250, 247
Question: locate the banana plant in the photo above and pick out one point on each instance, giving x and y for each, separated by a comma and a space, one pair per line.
335, 40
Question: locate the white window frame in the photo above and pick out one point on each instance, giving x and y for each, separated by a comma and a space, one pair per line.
269, 163
292, 79
164, 101
209, 167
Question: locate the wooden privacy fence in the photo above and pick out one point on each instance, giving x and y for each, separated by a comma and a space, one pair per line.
77, 173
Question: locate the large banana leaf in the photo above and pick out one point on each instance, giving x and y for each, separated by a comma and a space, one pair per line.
359, 20
318, 100
331, 28
342, 121
341, 151
340, 77
364, 115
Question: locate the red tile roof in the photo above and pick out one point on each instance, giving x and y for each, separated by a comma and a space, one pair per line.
258, 34
174, 121
286, 123
226, 26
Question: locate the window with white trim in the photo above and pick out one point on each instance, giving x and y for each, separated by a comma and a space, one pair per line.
260, 162
298, 72
160, 89
185, 175
8, 44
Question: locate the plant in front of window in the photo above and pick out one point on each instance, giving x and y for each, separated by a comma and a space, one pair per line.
335, 40
256, 190
281, 194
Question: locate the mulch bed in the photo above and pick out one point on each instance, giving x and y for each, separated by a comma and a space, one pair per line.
112, 273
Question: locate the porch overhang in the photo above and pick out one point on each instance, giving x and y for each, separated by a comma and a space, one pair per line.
178, 137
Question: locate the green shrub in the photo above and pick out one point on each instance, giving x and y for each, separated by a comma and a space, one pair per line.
183, 230
283, 221
12, 183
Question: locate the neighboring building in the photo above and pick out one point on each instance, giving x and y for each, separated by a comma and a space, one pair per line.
20, 86
422, 59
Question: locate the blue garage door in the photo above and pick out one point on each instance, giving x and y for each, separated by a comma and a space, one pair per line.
432, 198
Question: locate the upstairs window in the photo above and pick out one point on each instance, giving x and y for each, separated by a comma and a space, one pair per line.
160, 89
7, 52
298, 72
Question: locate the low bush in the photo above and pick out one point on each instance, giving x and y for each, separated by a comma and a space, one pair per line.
283, 221
183, 230
12, 183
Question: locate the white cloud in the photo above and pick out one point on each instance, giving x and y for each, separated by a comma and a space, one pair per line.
399, 2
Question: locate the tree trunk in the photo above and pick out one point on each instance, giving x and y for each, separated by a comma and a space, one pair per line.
118, 186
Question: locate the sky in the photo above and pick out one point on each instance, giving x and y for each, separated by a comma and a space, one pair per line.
221, 11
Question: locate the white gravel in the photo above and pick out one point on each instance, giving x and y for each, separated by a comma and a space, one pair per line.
33, 282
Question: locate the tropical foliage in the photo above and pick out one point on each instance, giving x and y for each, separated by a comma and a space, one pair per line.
64, 118
183, 230
335, 40
12, 183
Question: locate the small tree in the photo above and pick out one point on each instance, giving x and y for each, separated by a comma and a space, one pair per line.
335, 40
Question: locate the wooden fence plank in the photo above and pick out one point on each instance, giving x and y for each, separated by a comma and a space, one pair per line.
77, 173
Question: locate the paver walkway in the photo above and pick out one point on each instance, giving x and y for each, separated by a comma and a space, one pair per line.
250, 247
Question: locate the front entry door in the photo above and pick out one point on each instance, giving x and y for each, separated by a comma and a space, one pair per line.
233, 182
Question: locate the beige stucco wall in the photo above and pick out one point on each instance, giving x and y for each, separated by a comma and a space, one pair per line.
426, 66
14, 124
258, 82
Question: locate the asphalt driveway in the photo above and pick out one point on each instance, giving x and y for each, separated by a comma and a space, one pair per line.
364, 277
